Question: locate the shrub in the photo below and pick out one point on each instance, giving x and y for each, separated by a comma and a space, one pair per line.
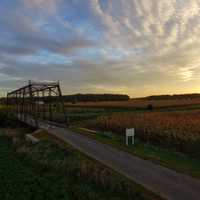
7, 118
149, 107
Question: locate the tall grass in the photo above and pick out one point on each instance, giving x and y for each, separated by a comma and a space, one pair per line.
52, 171
7, 118
180, 131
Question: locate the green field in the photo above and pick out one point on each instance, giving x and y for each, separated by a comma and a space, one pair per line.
49, 171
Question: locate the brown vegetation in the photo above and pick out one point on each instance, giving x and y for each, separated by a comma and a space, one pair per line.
172, 130
138, 103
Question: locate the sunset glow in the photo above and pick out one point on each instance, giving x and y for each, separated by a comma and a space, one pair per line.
137, 47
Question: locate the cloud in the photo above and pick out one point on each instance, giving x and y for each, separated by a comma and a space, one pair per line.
135, 46
24, 34
161, 31
49, 6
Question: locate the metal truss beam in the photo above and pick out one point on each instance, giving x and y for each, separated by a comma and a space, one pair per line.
38, 99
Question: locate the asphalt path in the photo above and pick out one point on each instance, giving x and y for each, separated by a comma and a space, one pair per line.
161, 180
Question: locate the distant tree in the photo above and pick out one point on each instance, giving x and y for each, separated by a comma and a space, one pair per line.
95, 97
149, 107
171, 97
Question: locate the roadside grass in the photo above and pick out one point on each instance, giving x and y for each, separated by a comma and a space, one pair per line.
174, 160
116, 182
52, 169
7, 118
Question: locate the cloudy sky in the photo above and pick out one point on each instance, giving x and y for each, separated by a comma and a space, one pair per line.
139, 47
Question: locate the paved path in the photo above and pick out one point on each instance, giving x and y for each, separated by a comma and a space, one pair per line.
166, 182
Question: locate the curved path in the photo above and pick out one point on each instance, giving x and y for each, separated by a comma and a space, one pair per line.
168, 183
161, 180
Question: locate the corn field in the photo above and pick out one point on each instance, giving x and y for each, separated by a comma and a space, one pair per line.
178, 130
133, 103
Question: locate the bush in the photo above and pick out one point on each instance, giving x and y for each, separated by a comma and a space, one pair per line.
149, 107
7, 118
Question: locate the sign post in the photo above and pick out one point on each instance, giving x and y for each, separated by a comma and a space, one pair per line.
130, 133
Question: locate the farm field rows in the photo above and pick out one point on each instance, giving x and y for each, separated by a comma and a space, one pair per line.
175, 130
88, 110
133, 103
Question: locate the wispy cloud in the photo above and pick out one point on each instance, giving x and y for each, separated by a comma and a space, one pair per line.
136, 46
47, 6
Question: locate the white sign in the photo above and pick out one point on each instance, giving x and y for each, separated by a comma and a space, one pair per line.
130, 133
40, 102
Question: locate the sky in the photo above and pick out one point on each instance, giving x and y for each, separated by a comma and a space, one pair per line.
134, 47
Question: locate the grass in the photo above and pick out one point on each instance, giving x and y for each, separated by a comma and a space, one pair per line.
116, 179
168, 158
19, 181
49, 170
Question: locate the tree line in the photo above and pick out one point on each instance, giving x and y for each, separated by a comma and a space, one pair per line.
171, 97
75, 98
95, 97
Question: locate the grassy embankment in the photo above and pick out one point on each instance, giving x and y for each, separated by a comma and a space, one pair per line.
48, 171
53, 170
